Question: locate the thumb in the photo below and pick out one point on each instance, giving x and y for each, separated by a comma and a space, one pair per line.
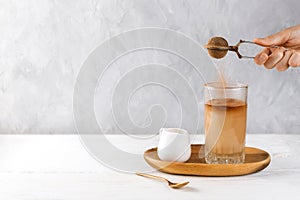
276, 39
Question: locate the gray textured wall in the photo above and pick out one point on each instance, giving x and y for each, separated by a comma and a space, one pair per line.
44, 43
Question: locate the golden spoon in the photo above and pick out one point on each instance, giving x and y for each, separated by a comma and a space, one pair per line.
171, 184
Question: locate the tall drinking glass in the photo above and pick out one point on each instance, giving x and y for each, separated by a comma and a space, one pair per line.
225, 122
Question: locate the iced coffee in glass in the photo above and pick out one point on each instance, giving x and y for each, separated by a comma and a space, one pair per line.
225, 122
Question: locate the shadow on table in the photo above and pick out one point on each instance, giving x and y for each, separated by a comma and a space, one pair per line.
190, 189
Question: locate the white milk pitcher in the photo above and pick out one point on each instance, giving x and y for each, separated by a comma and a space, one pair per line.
174, 145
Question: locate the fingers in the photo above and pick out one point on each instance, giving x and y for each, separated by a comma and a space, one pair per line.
274, 58
294, 60
279, 58
283, 64
276, 39
262, 57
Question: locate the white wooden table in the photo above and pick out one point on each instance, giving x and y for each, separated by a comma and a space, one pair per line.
57, 167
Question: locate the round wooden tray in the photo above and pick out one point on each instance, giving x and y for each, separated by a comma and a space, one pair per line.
255, 160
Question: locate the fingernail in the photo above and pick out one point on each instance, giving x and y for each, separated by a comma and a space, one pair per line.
262, 58
259, 40
256, 39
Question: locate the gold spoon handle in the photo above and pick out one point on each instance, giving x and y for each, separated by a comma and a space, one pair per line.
152, 176
250, 42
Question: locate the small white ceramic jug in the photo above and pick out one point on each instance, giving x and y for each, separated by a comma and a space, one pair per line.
174, 145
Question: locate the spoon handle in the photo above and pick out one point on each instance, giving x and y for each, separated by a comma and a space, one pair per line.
250, 42
151, 176
247, 41
236, 48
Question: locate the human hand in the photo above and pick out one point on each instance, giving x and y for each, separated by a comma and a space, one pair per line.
283, 57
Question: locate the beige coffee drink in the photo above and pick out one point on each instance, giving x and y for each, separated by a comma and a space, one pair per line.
225, 123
